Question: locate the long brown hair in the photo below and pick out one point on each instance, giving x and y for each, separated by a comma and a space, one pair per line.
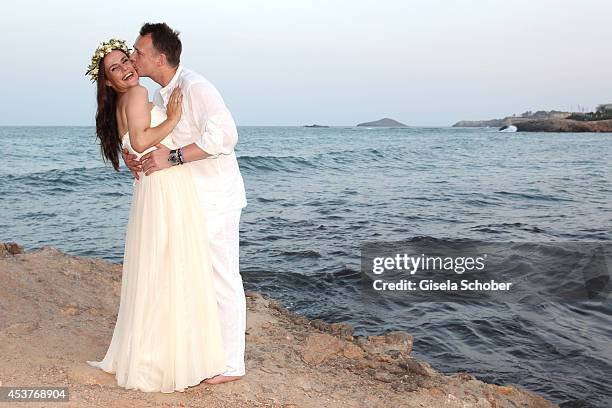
106, 119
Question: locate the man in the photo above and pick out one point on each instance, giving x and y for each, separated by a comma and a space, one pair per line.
207, 134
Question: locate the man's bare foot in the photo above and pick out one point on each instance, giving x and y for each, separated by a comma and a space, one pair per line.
220, 379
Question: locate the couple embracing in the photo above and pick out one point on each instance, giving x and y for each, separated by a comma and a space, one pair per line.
182, 312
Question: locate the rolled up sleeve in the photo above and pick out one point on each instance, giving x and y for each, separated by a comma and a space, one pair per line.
214, 122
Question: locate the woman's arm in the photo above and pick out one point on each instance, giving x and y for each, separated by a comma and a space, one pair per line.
138, 113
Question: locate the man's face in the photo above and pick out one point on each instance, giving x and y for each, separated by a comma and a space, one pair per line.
145, 57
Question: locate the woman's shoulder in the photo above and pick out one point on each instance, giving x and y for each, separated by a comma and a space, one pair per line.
138, 91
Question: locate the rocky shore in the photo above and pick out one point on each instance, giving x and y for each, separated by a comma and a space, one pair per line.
564, 125
58, 310
555, 124
515, 120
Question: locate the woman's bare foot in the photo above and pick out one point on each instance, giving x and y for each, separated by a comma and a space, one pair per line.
220, 379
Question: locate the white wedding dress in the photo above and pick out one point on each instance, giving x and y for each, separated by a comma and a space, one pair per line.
167, 336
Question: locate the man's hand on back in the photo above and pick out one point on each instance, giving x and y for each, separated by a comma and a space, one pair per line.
156, 159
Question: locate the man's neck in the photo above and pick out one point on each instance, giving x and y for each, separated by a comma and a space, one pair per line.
165, 76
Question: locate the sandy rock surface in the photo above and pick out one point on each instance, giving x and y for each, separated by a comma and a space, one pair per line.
58, 310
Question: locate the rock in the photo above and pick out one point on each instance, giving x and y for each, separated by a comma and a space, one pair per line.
10, 248
504, 390
436, 392
377, 340
394, 344
513, 120
405, 386
424, 382
417, 367
116, 288
17, 329
255, 338
273, 304
402, 340
464, 376
71, 309
352, 351
491, 400
385, 358
361, 341
395, 369
299, 320
564, 125
361, 364
94, 311
373, 364
319, 347
384, 122
343, 330
310, 385
320, 325
384, 376
469, 397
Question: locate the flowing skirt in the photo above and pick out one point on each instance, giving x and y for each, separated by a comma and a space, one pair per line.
167, 336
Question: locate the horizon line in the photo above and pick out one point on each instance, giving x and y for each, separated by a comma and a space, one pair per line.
238, 126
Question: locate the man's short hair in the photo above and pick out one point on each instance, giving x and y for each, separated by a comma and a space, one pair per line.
165, 41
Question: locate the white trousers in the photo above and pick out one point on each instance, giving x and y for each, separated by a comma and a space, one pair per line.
223, 228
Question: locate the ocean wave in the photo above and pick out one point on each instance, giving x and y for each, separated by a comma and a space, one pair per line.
274, 163
295, 164
65, 178
307, 253
522, 196
502, 228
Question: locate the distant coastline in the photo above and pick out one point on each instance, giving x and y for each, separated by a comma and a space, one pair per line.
551, 121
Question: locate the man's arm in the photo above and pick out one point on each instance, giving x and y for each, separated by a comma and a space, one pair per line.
215, 125
218, 133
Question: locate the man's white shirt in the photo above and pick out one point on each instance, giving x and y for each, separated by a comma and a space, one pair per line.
207, 122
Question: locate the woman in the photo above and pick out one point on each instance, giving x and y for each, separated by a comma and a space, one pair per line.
167, 336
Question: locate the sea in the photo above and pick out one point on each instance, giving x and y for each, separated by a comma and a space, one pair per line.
315, 195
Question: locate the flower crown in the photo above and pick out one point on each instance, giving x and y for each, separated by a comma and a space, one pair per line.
101, 52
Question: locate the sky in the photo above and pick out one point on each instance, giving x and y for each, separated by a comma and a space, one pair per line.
334, 62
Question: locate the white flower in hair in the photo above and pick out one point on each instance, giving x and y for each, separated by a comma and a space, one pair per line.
101, 52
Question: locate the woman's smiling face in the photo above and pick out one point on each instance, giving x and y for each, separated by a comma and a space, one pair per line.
119, 70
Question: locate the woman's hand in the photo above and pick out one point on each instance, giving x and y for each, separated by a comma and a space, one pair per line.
132, 162
175, 105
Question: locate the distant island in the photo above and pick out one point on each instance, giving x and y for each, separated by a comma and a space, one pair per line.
385, 122
551, 121
316, 126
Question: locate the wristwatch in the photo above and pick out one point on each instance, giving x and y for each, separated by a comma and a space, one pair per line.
175, 157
